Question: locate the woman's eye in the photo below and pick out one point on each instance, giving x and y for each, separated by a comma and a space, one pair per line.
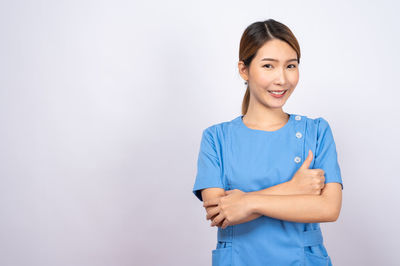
267, 65
292, 65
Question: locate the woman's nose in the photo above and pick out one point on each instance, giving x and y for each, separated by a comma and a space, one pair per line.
281, 77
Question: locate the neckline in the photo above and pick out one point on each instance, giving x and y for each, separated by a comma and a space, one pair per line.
243, 125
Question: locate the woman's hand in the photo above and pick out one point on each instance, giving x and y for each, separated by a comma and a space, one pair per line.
308, 181
229, 210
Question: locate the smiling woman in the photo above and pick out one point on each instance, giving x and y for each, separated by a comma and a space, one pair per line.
276, 79
267, 178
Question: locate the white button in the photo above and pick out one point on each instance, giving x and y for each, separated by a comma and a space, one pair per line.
298, 135
297, 117
297, 159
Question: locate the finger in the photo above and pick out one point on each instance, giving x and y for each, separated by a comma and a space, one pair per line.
225, 224
320, 172
227, 192
220, 223
217, 220
307, 161
210, 202
316, 172
212, 212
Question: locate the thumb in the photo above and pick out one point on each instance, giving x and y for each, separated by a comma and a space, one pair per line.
307, 161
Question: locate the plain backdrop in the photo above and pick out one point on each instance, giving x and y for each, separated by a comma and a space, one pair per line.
102, 105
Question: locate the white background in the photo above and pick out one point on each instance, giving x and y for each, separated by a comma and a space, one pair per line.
102, 104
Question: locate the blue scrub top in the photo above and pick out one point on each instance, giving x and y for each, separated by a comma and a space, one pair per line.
234, 156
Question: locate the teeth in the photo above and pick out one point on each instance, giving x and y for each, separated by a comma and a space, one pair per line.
280, 93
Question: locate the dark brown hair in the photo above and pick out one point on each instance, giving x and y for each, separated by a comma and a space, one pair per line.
255, 36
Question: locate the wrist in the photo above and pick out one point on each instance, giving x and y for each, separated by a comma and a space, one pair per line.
250, 199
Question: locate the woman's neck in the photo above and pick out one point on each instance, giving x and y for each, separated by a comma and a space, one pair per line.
265, 119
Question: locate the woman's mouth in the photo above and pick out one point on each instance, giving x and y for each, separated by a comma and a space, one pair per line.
278, 94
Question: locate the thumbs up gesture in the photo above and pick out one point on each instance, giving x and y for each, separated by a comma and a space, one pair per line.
308, 181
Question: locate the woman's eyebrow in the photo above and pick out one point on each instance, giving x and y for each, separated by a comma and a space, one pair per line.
272, 59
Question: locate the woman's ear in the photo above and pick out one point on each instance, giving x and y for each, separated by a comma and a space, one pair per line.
243, 70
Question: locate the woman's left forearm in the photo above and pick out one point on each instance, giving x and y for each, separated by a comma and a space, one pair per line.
295, 208
285, 188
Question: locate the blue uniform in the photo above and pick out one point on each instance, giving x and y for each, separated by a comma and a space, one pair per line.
234, 156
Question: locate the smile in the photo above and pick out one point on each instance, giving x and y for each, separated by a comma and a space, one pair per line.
278, 94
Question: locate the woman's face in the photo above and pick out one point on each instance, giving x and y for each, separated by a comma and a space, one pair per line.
274, 68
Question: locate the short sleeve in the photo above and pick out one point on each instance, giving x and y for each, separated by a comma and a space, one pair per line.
208, 164
326, 155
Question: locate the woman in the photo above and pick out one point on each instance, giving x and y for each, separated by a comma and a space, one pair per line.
268, 178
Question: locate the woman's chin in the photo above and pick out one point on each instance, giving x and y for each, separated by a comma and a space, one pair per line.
275, 104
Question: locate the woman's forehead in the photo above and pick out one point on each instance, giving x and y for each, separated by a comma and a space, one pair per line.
276, 50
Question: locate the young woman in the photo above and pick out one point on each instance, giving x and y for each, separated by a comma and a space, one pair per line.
267, 178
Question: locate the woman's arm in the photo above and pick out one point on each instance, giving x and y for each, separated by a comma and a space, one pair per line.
238, 205
212, 193
300, 208
305, 181
286, 188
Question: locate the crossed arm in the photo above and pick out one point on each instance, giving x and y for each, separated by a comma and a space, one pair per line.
283, 201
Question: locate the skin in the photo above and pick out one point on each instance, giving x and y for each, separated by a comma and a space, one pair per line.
305, 198
265, 111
